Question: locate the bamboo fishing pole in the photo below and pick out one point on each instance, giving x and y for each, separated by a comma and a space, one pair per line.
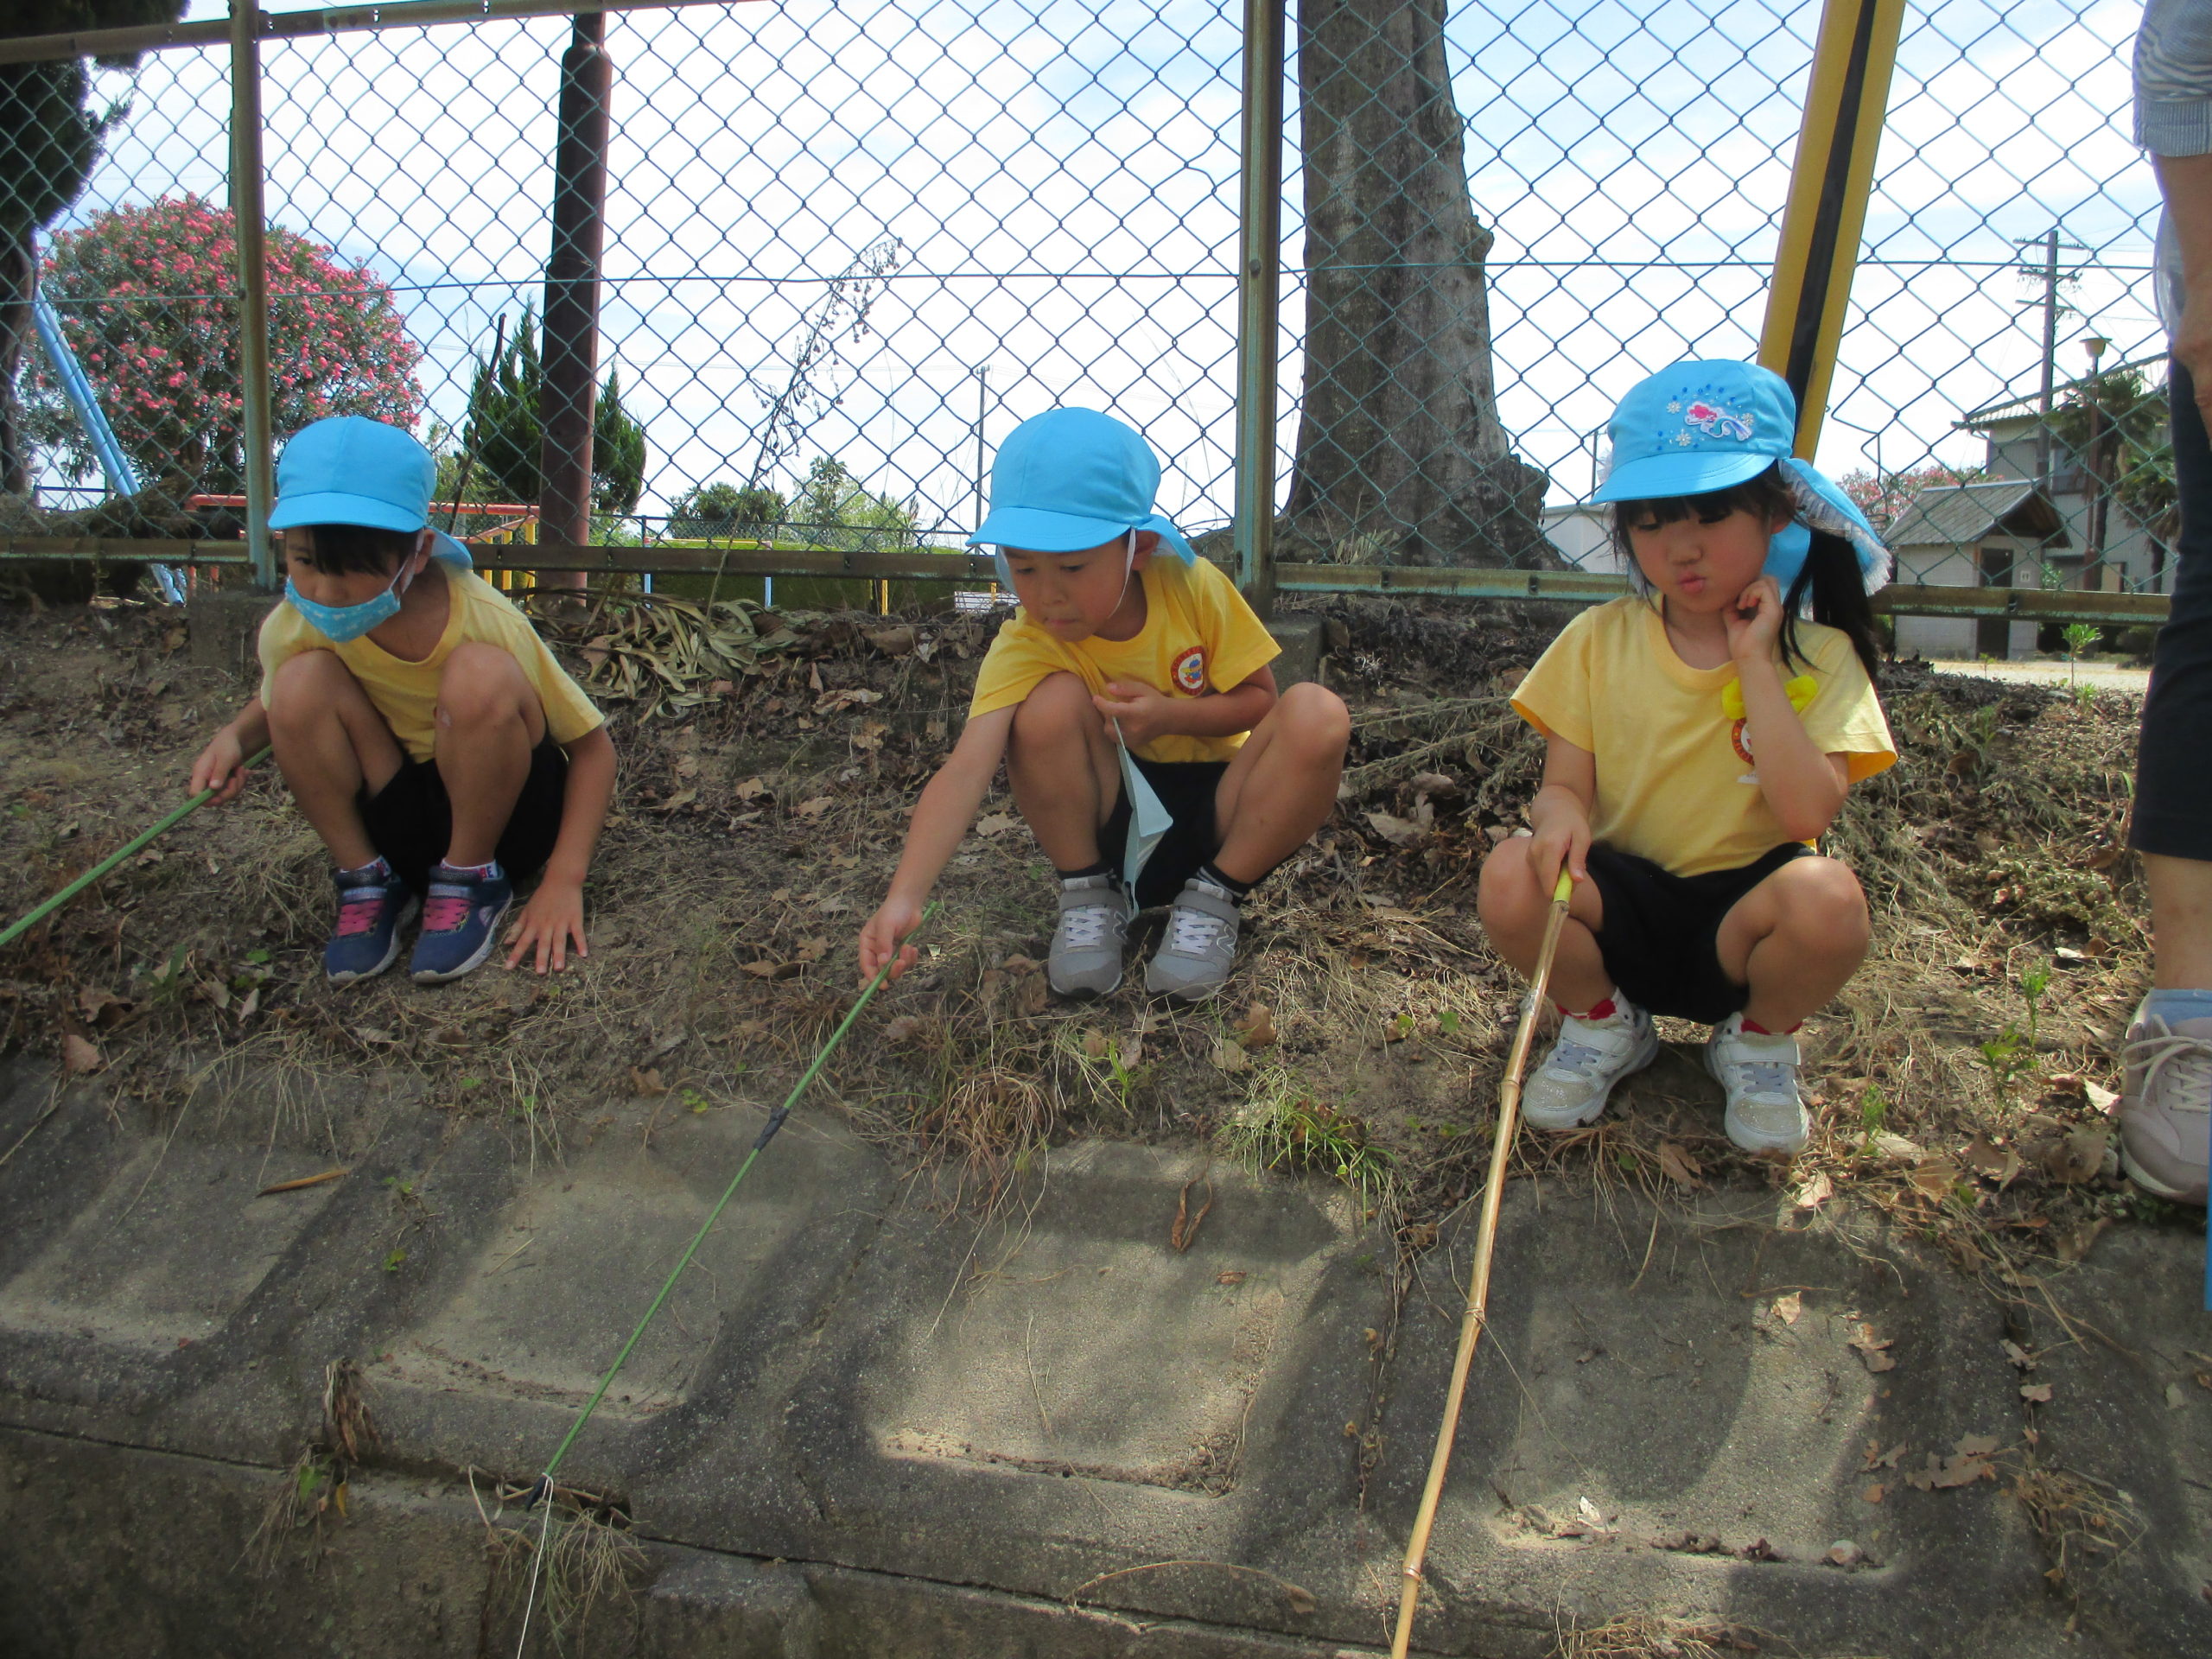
1470, 1328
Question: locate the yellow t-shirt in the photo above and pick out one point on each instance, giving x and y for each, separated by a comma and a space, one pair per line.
1676, 783
1198, 634
406, 694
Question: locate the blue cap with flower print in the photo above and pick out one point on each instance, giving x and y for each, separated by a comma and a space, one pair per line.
1697, 427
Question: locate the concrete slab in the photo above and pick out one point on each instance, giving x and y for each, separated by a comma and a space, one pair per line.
516, 1327
1303, 638
863, 1426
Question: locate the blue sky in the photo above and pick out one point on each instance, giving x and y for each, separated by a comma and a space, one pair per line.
1062, 176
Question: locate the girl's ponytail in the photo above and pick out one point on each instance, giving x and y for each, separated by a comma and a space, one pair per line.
1837, 587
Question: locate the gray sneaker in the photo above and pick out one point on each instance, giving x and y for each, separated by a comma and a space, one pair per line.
1194, 956
2165, 1106
1086, 955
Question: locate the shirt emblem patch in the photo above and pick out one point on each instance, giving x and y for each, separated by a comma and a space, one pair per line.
1190, 670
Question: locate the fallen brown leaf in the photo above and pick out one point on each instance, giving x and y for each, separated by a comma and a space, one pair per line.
1256, 1030
2036, 1394
645, 1082
1684, 1171
772, 969
903, 1029
1234, 1276
996, 823
79, 1056
1787, 1308
1183, 1231
1228, 1055
2000, 1164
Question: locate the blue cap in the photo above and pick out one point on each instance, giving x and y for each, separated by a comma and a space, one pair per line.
1701, 426
349, 469
1696, 427
1073, 478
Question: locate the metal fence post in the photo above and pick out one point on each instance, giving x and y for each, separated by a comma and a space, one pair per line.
1846, 104
571, 385
1259, 283
252, 286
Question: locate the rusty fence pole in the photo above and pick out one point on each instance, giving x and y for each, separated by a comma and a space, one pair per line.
1259, 286
251, 286
568, 389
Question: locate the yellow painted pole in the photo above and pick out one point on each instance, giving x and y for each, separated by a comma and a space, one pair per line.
1847, 102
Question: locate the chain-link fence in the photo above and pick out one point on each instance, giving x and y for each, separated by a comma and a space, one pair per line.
846, 246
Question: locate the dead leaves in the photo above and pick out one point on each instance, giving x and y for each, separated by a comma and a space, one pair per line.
1256, 1030
1970, 1461
79, 1056
996, 823
1873, 1350
1183, 1231
1685, 1172
1404, 832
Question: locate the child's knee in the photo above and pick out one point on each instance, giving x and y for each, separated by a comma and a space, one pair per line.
302, 687
1315, 721
1057, 707
481, 684
1505, 893
1826, 902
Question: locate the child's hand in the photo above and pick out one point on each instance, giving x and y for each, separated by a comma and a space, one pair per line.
1754, 621
883, 938
552, 919
221, 767
1142, 712
1563, 838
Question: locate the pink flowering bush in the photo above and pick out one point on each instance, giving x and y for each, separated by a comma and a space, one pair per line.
145, 299
1883, 498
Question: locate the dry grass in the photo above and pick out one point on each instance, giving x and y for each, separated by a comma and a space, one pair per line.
757, 824
1654, 1636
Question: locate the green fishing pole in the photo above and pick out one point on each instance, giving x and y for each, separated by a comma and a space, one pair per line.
544, 1486
115, 858
541, 1489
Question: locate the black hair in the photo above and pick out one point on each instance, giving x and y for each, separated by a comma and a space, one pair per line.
343, 549
1831, 577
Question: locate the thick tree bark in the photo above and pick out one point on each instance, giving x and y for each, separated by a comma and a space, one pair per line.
17, 276
1401, 458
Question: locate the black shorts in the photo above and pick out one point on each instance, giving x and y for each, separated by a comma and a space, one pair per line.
1660, 930
1186, 789
410, 820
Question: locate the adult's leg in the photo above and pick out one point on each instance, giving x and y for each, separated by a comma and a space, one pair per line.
489, 720
1064, 769
1796, 939
331, 744
1516, 908
2172, 826
1282, 784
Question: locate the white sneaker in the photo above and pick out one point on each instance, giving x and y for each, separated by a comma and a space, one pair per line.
1571, 1087
2164, 1104
1759, 1073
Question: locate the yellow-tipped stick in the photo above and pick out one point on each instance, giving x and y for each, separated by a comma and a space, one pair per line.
1470, 1328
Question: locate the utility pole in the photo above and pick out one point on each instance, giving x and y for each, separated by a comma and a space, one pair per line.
2050, 242
2093, 559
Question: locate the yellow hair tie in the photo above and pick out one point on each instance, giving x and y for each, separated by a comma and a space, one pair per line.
1801, 692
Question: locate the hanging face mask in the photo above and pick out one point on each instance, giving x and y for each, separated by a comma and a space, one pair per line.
341, 623
1785, 554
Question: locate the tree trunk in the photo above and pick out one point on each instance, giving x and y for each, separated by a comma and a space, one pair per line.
17, 276
1401, 458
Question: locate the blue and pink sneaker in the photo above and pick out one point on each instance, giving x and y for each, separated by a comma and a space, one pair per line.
460, 921
373, 905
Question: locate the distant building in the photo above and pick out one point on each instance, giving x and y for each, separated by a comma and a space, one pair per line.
2000, 534
2134, 559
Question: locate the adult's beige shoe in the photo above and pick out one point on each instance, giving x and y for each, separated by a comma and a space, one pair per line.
2165, 1106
